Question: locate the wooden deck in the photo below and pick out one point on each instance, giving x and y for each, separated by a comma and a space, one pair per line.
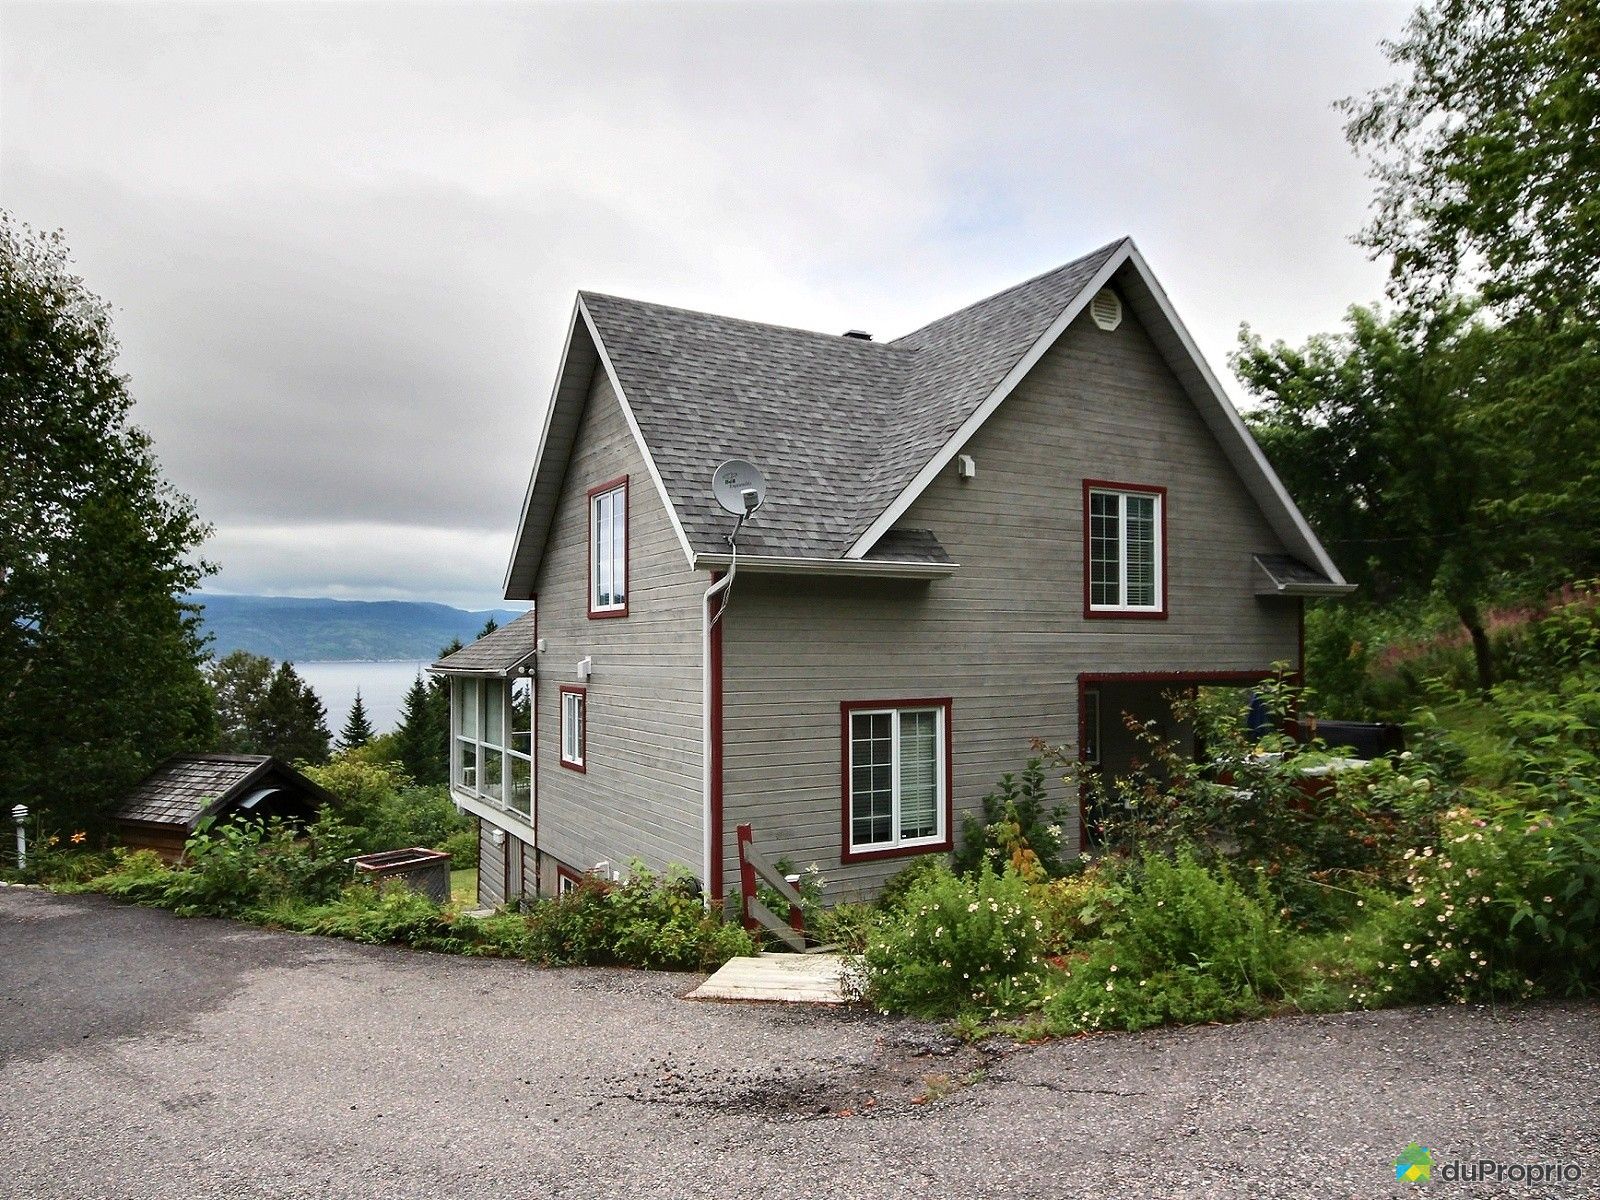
791, 978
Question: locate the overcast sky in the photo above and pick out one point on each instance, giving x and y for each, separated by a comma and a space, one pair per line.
342, 242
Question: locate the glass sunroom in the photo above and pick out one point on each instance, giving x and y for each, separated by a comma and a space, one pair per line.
491, 719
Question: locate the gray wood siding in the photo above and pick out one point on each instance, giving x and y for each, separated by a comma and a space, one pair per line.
640, 794
1005, 637
491, 867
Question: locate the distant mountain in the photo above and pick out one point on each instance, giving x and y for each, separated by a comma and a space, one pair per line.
309, 630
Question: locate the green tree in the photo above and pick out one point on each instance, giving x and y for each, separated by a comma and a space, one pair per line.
422, 739
1487, 155
101, 676
289, 721
357, 731
239, 683
1382, 433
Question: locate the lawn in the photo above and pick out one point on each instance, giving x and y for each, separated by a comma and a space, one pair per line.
464, 885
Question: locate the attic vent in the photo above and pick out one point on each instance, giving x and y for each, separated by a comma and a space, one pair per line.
1106, 309
861, 335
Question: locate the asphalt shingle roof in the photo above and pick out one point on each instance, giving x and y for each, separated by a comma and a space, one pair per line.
496, 652
182, 789
839, 425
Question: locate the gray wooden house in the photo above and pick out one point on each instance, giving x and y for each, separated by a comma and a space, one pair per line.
1019, 521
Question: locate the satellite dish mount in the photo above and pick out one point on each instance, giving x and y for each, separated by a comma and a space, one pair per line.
740, 489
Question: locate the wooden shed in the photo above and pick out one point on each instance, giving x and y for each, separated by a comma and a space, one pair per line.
163, 810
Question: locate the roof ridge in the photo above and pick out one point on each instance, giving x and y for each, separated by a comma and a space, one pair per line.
1106, 249
747, 321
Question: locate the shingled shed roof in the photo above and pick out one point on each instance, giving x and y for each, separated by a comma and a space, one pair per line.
188, 787
848, 431
498, 653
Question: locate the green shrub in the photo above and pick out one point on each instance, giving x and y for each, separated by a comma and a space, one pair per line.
462, 847
847, 926
1182, 944
1019, 828
385, 810
391, 913
957, 943
916, 872
139, 876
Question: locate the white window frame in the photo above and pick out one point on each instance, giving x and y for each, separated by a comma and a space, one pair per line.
615, 498
1158, 528
484, 741
575, 702
941, 733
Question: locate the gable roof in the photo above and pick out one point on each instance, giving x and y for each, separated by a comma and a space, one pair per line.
499, 652
187, 787
849, 432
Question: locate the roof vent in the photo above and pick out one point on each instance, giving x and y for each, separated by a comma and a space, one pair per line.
1106, 309
861, 335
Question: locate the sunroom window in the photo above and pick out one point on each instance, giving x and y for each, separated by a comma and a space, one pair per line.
896, 777
491, 721
1125, 551
608, 550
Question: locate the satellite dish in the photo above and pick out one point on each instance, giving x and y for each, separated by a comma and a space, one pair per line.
739, 487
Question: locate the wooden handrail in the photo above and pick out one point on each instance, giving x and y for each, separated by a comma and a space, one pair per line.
754, 865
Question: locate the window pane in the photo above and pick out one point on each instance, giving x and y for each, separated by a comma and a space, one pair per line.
466, 707
919, 775
1141, 536
602, 550
519, 790
871, 768
493, 765
572, 727
468, 778
619, 548
522, 716
494, 692
1105, 550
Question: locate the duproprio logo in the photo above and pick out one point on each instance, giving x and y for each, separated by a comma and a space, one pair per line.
1415, 1164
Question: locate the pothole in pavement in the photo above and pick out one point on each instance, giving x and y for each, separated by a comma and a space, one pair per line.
906, 1074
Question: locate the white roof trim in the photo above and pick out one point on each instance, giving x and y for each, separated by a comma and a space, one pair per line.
971, 425
1310, 544
544, 438
638, 435
1254, 459
770, 564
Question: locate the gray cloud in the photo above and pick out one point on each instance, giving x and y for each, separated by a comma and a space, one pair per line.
343, 241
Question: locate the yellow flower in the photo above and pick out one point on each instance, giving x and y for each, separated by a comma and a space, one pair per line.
79, 838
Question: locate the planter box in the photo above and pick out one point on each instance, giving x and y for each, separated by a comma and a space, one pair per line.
425, 871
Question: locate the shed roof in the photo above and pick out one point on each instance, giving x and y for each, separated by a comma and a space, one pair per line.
187, 787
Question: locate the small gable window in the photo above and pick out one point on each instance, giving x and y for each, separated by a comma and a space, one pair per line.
1124, 550
608, 549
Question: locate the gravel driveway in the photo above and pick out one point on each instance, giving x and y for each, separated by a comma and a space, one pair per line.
144, 1056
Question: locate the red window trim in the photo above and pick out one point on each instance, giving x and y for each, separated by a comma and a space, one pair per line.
561, 731
1091, 613
943, 845
627, 538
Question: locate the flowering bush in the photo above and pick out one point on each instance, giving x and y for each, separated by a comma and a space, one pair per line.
1182, 943
1504, 906
958, 943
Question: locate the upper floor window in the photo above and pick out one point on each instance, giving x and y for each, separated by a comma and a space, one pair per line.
1124, 550
896, 777
608, 549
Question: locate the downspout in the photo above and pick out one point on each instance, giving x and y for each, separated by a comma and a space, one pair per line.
717, 590
708, 621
